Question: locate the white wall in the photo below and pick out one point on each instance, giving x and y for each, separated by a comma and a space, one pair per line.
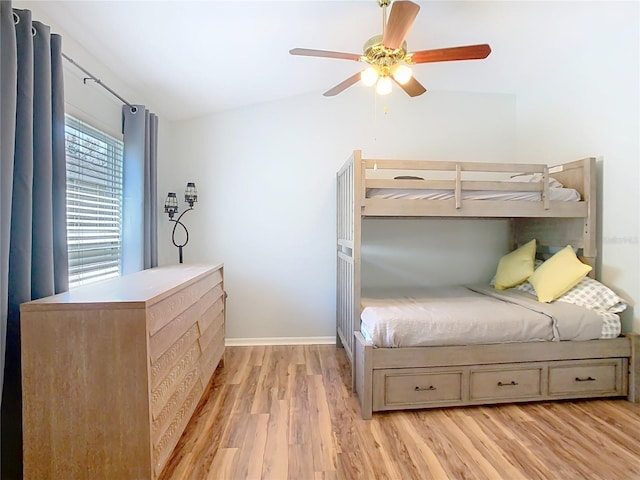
266, 173
266, 179
431, 252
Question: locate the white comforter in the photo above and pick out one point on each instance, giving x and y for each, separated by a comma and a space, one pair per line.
472, 315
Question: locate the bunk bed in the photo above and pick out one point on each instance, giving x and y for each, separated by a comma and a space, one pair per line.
392, 378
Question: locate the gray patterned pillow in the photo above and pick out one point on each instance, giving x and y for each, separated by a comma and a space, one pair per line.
526, 287
588, 293
591, 293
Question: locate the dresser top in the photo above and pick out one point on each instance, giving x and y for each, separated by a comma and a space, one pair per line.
136, 290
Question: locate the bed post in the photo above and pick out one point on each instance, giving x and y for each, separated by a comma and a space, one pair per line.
344, 259
363, 374
358, 194
634, 368
348, 252
591, 227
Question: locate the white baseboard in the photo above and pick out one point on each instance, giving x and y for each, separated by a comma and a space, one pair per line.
248, 342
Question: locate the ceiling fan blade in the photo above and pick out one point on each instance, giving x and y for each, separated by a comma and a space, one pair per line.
324, 53
401, 18
413, 87
470, 52
343, 85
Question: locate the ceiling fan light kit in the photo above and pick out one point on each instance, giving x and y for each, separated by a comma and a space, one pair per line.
387, 56
384, 63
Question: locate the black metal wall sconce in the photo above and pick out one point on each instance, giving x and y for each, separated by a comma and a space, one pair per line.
171, 208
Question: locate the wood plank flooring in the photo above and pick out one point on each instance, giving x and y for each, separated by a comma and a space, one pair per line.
289, 413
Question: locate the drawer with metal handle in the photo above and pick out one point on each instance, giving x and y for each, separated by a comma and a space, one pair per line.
505, 383
416, 388
595, 377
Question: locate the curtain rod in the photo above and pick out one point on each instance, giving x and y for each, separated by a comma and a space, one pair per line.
99, 82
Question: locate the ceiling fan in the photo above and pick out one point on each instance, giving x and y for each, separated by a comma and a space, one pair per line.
387, 54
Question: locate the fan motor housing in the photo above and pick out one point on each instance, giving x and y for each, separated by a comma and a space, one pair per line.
375, 53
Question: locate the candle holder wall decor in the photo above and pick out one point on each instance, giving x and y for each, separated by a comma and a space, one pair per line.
171, 208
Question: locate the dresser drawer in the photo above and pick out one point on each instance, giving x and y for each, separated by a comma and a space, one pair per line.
185, 365
601, 377
162, 312
505, 383
213, 332
161, 367
164, 446
211, 357
175, 403
212, 311
416, 388
162, 340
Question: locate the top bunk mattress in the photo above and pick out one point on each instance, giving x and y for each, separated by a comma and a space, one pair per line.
465, 315
555, 194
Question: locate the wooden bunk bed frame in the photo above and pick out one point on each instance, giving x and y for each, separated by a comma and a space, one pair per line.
423, 377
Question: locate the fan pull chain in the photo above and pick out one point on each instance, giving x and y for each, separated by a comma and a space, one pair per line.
376, 124
375, 117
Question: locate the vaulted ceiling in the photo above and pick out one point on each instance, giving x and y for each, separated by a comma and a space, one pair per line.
194, 57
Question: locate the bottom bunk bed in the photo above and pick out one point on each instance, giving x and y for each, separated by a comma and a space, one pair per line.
540, 330
472, 345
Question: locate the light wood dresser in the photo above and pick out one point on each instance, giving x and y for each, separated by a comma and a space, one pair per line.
111, 373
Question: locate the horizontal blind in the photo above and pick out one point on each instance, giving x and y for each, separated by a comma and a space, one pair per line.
94, 203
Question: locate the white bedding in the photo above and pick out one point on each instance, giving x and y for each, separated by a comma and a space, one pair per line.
555, 194
460, 316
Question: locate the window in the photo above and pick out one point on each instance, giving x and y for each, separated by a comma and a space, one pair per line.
94, 203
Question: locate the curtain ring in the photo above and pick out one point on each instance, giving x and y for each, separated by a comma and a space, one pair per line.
16, 18
134, 109
33, 31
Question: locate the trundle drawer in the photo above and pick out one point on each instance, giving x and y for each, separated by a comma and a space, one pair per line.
411, 388
505, 383
598, 377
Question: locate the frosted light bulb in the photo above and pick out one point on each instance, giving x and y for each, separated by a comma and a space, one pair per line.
369, 76
402, 74
383, 86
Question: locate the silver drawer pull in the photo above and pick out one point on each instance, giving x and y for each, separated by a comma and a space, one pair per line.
421, 389
512, 382
588, 379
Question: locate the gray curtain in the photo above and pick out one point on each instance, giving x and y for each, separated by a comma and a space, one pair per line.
33, 197
140, 212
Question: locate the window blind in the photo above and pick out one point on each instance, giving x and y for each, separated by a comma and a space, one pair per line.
94, 203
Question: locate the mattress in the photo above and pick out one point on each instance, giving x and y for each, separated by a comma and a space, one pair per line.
465, 315
555, 194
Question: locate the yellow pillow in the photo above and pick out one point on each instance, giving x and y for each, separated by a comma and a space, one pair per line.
515, 267
558, 275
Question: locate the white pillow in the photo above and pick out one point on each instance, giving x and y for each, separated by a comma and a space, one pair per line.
536, 178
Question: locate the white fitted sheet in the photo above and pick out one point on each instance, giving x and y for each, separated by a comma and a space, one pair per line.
555, 194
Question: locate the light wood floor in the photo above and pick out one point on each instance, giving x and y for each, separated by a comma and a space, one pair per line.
288, 412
